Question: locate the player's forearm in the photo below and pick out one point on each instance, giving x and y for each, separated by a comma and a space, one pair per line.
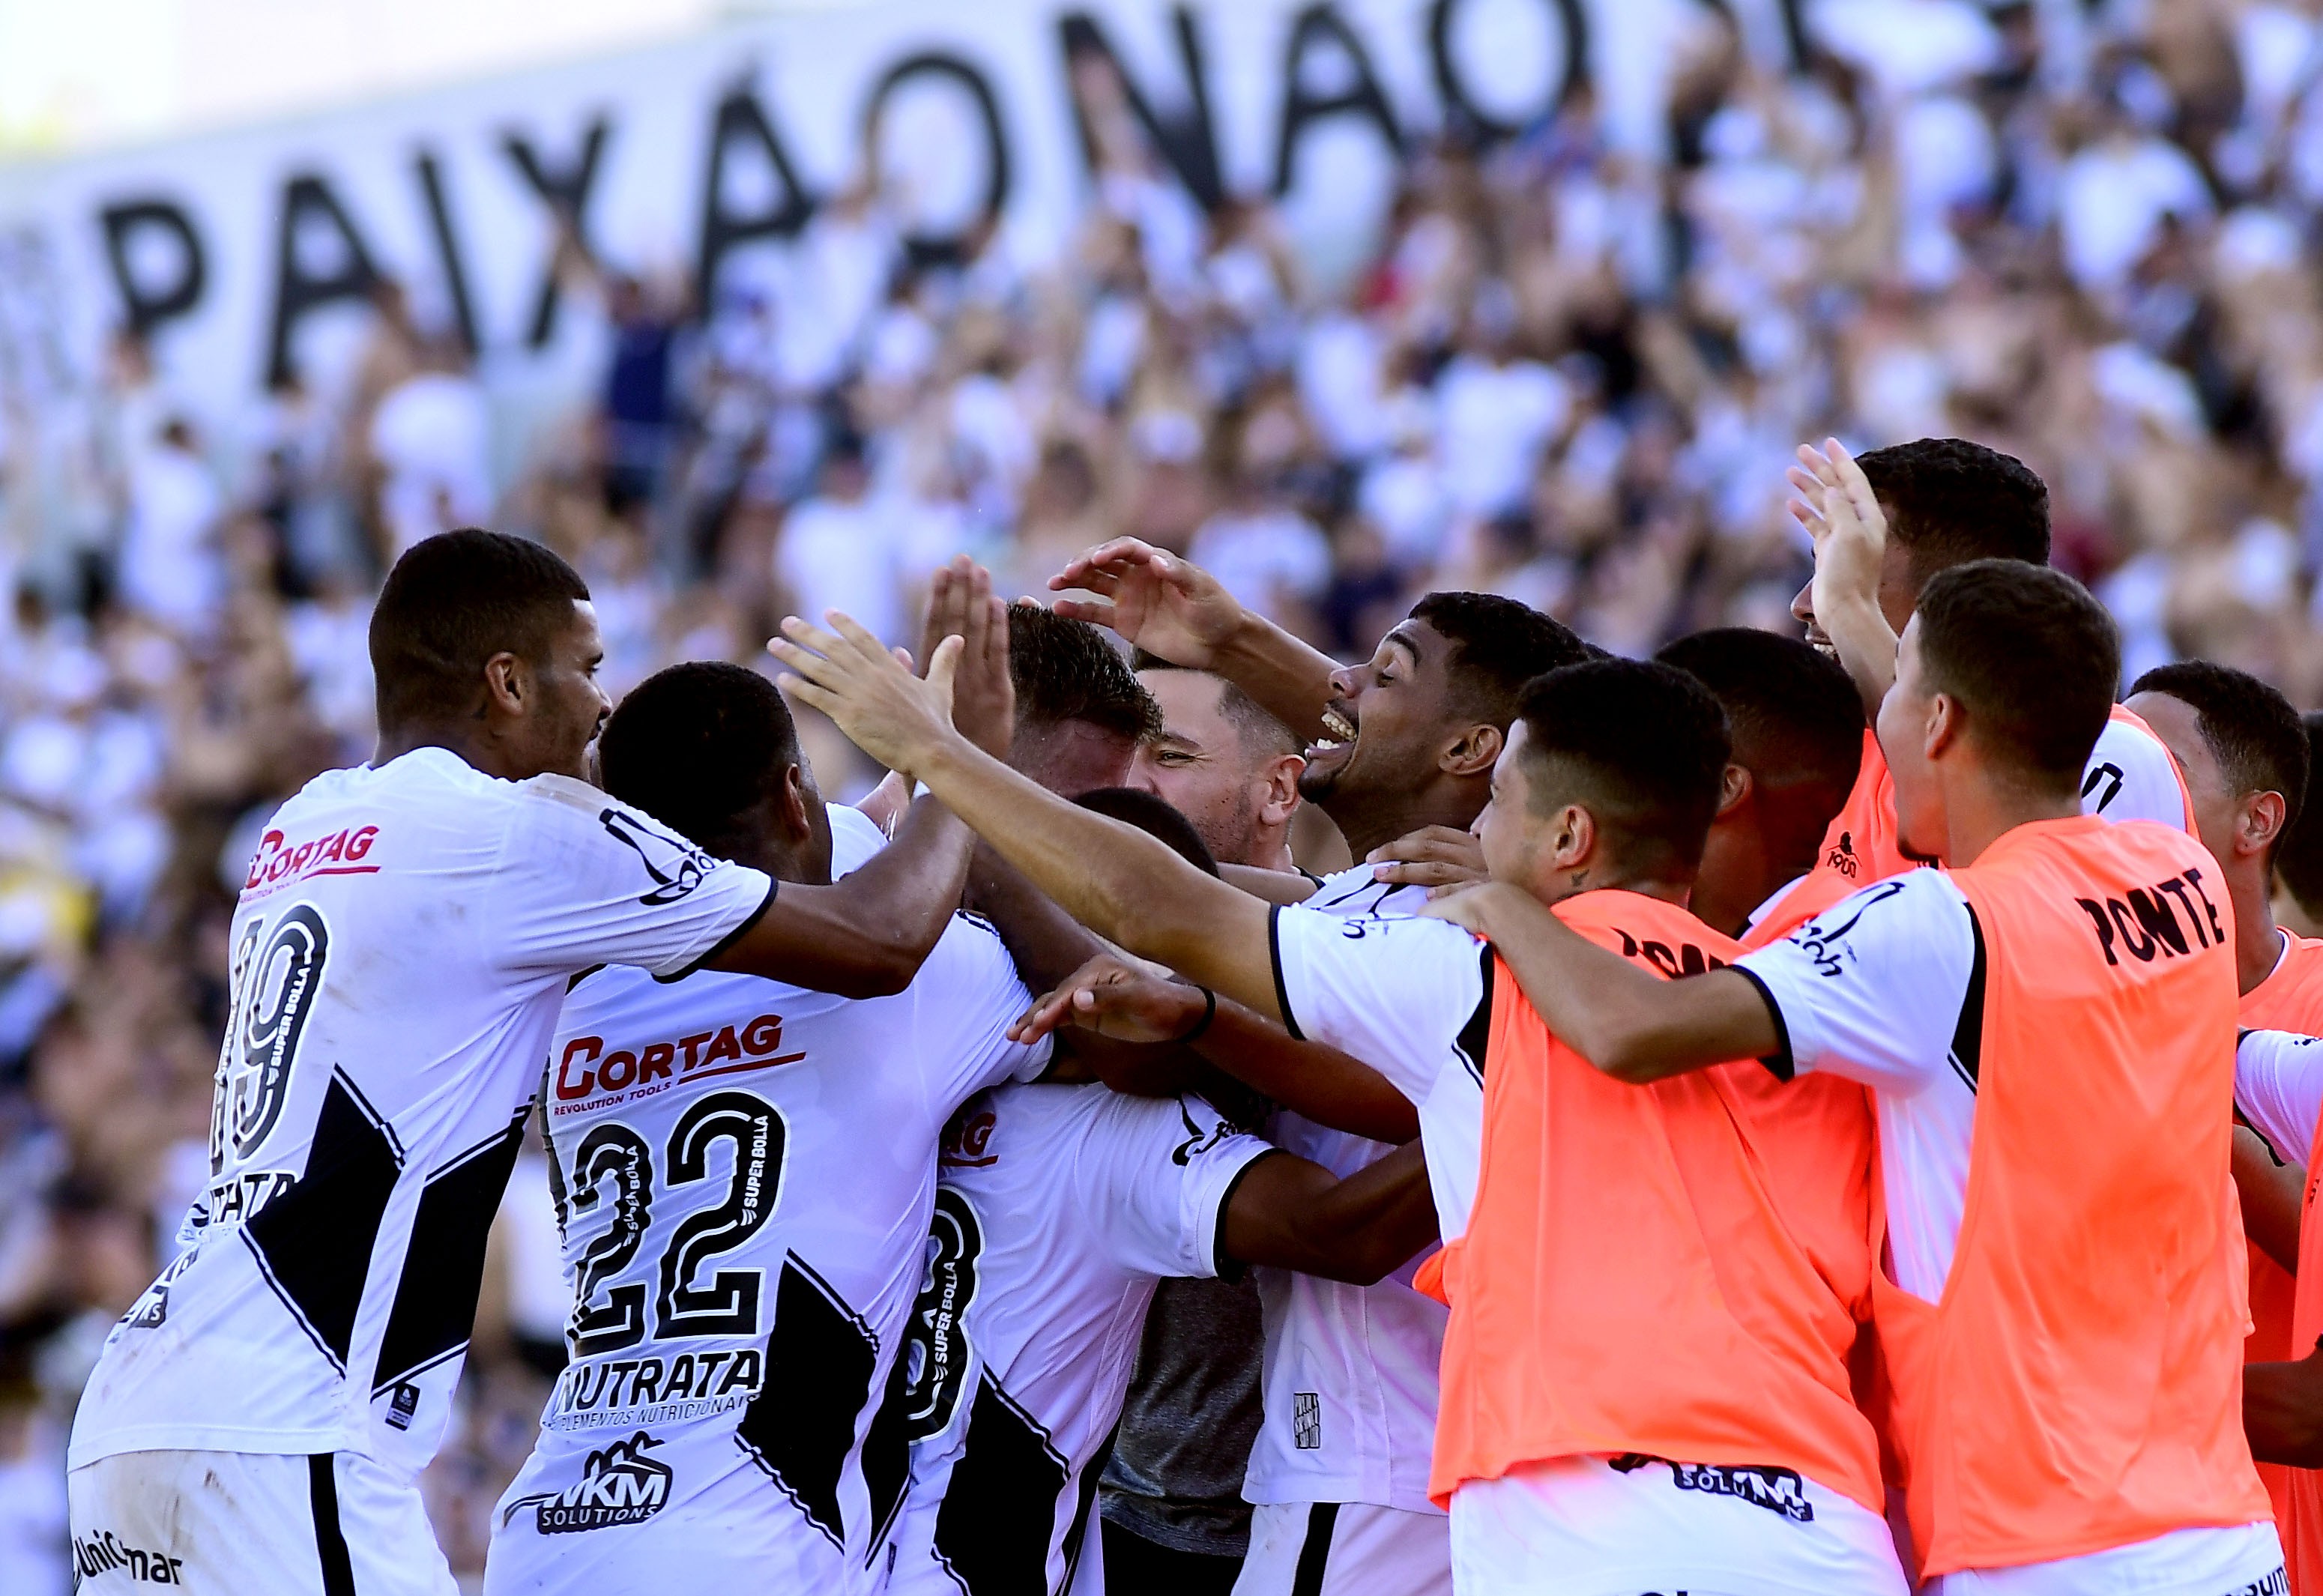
1290, 1213
1291, 680
1045, 943
2272, 1195
2282, 1411
1626, 1023
1313, 1081
1112, 877
1866, 644
868, 936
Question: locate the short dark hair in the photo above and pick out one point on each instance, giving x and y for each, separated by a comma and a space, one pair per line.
1793, 709
1498, 645
2250, 728
452, 603
1643, 743
1950, 501
1069, 670
1262, 733
2031, 655
2299, 852
697, 747
1155, 816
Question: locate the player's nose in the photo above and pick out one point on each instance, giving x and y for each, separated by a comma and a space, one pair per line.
1803, 603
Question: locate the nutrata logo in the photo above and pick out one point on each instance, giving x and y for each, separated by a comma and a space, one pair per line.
620, 1485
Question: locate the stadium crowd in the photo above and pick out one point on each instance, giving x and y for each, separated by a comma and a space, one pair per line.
1565, 376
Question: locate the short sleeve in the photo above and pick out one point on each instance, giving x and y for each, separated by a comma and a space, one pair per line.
583, 880
2131, 777
967, 997
1401, 995
855, 837
1159, 1172
1873, 988
2278, 1088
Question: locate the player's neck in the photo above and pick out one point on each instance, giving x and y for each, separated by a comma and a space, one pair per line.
2258, 944
1383, 818
1978, 810
464, 740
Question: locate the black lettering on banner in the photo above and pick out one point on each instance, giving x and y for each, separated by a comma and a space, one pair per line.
276, 982
2133, 937
435, 1306
2176, 887
1321, 24
2096, 913
942, 248
2218, 931
313, 1242
741, 120
308, 202
145, 305
729, 1304
448, 247
2153, 911
1185, 141
566, 192
999, 1509
801, 1425
934, 1352
1460, 107
611, 1153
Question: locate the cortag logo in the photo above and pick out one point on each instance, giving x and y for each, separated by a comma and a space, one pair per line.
620, 1485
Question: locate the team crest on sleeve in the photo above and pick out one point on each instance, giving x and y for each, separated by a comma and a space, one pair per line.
675, 865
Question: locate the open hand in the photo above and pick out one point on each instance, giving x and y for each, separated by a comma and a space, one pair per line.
1836, 505
1126, 999
1469, 907
848, 674
961, 604
1153, 600
1438, 857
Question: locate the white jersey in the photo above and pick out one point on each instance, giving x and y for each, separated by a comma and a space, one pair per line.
1349, 1383
1885, 988
2132, 776
2278, 1088
400, 952
746, 1173
1060, 1207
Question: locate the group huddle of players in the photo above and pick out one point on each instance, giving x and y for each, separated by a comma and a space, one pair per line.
1790, 1116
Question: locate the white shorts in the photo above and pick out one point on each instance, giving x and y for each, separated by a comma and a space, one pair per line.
1600, 1526
2242, 1561
252, 1524
1345, 1549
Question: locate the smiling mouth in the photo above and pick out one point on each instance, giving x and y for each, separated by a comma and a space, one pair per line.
1338, 730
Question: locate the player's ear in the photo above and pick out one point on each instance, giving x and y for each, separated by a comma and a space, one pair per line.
2261, 821
798, 801
508, 686
1572, 838
1282, 788
1472, 753
1734, 789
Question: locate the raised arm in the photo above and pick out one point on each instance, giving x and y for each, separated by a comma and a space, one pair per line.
1631, 1025
1836, 505
1185, 615
1113, 998
1290, 1213
1112, 877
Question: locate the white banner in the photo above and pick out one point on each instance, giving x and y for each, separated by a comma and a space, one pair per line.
242, 254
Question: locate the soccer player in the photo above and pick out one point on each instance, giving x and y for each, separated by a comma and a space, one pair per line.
1685, 1337
1174, 1519
2061, 1332
1081, 715
1224, 763
403, 942
2244, 753
745, 1171
1918, 509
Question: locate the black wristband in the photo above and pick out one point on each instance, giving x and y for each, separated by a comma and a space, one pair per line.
1210, 1012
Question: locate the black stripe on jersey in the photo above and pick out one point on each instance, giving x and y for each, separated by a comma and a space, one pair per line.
1274, 955
435, 1310
1315, 1551
1222, 1265
1779, 1063
330, 1539
1966, 1055
888, 1454
1475, 1037
1000, 1509
313, 1242
731, 937
801, 1425
1091, 1473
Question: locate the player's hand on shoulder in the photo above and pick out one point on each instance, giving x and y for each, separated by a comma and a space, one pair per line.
961, 604
1124, 998
848, 674
1437, 857
1153, 599
1471, 906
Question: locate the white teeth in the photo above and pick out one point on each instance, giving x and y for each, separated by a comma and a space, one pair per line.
1341, 729
1322, 743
